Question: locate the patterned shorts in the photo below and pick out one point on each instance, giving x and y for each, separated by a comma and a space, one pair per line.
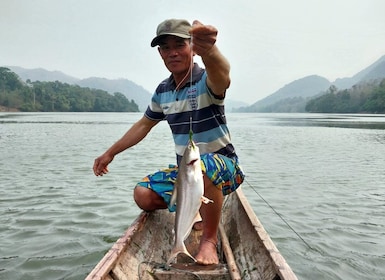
225, 173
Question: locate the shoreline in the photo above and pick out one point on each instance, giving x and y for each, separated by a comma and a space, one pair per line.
8, 109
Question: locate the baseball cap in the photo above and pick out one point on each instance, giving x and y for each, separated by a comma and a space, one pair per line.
176, 27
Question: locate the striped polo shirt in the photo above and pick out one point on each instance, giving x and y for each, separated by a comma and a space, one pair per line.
192, 106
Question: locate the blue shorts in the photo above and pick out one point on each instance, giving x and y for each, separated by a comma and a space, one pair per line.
225, 173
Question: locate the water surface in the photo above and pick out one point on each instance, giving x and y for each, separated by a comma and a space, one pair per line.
316, 181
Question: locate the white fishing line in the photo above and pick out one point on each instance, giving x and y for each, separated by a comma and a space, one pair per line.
279, 215
191, 80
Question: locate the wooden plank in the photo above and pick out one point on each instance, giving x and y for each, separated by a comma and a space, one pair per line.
187, 271
283, 269
103, 268
233, 268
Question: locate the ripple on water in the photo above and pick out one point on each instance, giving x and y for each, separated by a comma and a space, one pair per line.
57, 219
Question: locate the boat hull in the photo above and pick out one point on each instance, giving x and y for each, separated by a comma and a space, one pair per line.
245, 249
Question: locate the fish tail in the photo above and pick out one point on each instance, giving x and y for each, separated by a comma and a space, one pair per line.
176, 251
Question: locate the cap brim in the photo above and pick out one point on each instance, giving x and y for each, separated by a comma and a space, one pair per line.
156, 40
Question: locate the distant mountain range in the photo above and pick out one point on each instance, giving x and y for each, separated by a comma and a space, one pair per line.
293, 96
290, 98
131, 90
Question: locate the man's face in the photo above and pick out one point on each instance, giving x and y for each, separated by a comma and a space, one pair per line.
176, 54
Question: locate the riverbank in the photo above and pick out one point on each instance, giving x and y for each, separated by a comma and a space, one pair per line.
7, 109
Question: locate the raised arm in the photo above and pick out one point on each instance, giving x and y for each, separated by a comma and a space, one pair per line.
133, 136
217, 66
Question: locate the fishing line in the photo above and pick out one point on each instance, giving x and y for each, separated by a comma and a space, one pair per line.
191, 131
279, 215
192, 60
191, 82
189, 70
190, 91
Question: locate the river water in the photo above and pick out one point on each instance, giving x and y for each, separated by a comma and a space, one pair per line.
316, 182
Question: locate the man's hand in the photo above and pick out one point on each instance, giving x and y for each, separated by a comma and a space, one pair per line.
217, 66
101, 164
203, 37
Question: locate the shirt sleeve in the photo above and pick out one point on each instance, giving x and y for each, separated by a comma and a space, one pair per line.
154, 110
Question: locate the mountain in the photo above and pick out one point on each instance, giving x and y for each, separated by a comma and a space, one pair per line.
293, 96
131, 90
305, 87
374, 71
290, 98
232, 105
40, 74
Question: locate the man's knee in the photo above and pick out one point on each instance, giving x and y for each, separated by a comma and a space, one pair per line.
147, 199
141, 197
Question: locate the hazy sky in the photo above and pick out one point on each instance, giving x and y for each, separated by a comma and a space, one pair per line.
269, 43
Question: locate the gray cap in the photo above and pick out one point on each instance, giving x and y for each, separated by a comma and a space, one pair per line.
176, 27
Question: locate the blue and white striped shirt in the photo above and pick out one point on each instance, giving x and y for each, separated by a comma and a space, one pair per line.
193, 102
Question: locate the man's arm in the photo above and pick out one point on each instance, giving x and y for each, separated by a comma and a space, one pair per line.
217, 66
132, 137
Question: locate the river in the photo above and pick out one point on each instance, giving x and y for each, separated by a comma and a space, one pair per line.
316, 182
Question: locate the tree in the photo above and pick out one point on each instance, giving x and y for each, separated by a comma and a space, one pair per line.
9, 81
368, 97
57, 96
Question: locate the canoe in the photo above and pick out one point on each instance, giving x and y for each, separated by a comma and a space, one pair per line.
245, 249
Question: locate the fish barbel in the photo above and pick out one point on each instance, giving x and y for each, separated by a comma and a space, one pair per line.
188, 195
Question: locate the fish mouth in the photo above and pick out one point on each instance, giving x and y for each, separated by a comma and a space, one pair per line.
192, 162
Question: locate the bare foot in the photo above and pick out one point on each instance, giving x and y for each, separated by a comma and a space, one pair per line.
207, 253
198, 226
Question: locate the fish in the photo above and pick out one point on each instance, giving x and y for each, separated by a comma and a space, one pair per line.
188, 196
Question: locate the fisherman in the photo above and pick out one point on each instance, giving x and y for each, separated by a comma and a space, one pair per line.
191, 99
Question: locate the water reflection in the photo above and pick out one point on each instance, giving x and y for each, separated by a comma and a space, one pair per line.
361, 121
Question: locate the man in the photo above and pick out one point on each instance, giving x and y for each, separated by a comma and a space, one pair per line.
191, 98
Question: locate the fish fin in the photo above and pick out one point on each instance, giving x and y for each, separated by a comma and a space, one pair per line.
206, 200
173, 234
198, 218
173, 197
176, 251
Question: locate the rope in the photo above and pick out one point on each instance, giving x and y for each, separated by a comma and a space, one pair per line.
279, 215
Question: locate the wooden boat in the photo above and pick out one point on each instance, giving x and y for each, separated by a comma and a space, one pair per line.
245, 249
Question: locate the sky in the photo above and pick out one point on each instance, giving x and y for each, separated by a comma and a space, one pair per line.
268, 43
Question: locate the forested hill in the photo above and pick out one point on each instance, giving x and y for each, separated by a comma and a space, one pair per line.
362, 98
293, 97
58, 97
128, 88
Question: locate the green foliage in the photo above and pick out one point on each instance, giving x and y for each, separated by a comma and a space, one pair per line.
9, 81
376, 101
58, 97
363, 98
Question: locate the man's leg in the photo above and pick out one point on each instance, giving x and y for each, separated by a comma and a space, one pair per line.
155, 190
211, 214
147, 199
